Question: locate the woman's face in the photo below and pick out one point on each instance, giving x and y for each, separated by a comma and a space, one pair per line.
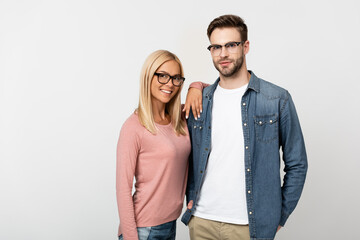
163, 93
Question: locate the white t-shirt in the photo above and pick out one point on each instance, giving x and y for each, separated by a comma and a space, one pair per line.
223, 194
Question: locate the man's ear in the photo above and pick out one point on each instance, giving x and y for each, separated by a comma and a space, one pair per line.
246, 47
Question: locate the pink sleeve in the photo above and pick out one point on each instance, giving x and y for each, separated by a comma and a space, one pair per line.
198, 85
127, 151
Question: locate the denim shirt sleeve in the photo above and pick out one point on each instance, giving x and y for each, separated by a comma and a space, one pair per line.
190, 188
294, 157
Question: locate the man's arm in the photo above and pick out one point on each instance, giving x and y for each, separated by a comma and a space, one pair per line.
190, 188
294, 157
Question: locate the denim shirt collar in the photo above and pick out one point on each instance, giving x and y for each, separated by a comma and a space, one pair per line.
254, 84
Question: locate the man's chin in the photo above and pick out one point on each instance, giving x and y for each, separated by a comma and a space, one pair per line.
227, 73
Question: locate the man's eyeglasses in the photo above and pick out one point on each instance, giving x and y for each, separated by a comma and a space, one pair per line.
164, 78
231, 47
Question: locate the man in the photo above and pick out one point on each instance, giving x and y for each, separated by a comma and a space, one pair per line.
234, 187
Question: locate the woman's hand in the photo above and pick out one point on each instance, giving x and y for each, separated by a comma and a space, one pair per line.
193, 101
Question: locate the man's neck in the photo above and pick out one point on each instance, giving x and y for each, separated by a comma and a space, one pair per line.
241, 78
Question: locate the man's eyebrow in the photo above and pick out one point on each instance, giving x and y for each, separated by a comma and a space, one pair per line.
216, 44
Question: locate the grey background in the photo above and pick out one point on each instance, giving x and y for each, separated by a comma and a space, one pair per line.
69, 73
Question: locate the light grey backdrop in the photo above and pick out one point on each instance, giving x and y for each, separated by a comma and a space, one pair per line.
69, 73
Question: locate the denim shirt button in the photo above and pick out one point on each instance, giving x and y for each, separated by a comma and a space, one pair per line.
244, 104
250, 213
246, 147
248, 170
245, 124
249, 191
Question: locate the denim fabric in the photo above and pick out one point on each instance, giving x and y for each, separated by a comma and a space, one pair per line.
165, 231
269, 123
143, 233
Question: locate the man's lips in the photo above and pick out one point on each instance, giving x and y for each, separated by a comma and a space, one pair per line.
224, 63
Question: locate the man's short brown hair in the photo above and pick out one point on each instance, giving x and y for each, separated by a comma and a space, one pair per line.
229, 21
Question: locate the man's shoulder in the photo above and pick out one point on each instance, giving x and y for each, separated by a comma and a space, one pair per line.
210, 88
271, 90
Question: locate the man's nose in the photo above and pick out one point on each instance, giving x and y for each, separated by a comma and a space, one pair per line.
224, 52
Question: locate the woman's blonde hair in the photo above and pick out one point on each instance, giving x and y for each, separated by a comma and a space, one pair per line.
173, 107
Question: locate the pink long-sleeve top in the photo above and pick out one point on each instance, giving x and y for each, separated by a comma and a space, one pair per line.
159, 163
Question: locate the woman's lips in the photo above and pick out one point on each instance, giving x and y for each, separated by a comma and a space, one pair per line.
166, 91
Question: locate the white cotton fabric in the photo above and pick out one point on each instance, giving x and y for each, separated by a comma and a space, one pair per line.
223, 194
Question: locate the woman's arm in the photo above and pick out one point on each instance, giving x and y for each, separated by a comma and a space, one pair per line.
127, 152
194, 99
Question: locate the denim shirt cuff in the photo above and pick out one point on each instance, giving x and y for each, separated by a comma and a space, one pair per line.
283, 219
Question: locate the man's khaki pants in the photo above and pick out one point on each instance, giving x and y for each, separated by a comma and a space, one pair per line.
201, 229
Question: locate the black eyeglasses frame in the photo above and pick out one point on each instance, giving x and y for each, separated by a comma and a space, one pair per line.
170, 77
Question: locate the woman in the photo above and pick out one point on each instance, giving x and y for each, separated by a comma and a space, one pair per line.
153, 146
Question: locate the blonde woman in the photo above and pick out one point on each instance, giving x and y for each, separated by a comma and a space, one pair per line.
153, 146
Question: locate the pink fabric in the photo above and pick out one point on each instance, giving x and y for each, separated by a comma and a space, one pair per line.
199, 85
159, 163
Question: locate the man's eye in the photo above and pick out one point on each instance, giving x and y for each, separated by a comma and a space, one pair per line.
230, 45
215, 47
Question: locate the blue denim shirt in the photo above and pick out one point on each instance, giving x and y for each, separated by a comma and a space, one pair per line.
269, 123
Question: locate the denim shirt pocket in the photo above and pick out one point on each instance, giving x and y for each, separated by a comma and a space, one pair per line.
196, 130
266, 128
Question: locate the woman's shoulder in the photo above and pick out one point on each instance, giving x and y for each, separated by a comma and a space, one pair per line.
132, 124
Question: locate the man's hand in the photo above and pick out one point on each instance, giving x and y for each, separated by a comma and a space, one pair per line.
193, 101
190, 205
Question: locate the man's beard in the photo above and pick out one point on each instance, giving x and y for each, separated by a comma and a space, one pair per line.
228, 72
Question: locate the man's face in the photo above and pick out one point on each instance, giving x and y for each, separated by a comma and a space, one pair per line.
227, 63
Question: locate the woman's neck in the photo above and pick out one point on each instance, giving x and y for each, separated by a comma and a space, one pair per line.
159, 113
